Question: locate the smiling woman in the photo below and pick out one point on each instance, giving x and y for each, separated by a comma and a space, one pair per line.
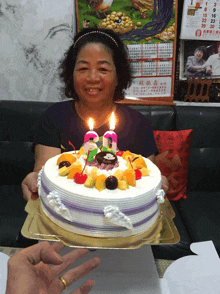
95, 71
95, 78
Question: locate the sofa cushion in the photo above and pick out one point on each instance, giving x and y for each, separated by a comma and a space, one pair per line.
17, 160
200, 215
204, 169
173, 160
17, 119
160, 117
13, 203
12, 213
204, 161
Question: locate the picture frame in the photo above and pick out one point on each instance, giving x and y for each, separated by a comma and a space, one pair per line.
195, 53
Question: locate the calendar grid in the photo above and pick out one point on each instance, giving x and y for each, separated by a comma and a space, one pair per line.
152, 68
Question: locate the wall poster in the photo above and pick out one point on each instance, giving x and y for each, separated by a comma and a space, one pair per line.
148, 28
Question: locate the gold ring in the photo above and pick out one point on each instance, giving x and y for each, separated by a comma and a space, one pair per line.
64, 282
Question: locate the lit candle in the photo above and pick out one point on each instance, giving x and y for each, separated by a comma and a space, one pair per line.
110, 137
89, 140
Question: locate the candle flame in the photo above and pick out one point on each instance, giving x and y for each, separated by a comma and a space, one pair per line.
91, 124
112, 121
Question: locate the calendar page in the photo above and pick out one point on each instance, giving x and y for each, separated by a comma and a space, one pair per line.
201, 20
152, 68
148, 28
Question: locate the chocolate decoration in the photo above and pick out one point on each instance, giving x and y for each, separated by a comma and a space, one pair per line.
106, 157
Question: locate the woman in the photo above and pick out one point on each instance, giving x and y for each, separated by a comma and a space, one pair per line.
95, 72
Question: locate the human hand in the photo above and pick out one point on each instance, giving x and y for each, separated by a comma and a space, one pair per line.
36, 270
208, 69
164, 184
29, 186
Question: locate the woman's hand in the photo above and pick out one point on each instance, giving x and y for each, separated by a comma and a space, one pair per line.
29, 186
36, 270
165, 184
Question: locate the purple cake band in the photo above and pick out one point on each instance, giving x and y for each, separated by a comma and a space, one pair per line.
127, 212
96, 228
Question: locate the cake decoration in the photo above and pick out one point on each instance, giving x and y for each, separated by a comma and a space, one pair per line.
110, 137
80, 177
100, 192
90, 139
160, 196
55, 203
106, 157
111, 203
111, 183
39, 180
115, 216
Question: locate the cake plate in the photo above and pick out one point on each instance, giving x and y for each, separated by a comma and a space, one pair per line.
38, 226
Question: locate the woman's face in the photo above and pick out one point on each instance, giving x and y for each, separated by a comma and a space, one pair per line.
94, 75
198, 55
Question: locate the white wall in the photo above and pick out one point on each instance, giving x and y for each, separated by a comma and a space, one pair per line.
34, 34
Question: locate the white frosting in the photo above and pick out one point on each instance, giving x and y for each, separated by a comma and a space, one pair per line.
86, 206
39, 180
115, 216
160, 196
54, 202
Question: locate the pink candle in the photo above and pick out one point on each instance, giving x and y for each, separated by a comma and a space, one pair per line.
90, 138
111, 135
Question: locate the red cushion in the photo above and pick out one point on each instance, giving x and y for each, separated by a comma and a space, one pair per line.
173, 160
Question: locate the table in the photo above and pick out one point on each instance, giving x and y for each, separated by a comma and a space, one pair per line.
161, 264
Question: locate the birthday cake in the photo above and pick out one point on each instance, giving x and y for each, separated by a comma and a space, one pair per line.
113, 195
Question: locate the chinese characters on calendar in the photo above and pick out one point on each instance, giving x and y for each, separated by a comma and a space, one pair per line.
201, 20
152, 66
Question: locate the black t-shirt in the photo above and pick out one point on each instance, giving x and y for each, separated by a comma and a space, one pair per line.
61, 124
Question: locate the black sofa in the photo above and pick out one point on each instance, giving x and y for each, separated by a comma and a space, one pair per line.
197, 217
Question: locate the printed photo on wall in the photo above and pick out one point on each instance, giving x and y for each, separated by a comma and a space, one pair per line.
199, 59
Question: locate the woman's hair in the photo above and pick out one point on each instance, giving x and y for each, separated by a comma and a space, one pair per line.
119, 54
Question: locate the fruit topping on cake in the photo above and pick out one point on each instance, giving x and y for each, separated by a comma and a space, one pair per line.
111, 183
137, 174
64, 163
100, 182
104, 172
76, 168
130, 177
80, 178
66, 157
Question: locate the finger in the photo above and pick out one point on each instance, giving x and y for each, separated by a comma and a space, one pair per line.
26, 192
34, 195
69, 259
57, 246
39, 252
85, 288
29, 186
80, 271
